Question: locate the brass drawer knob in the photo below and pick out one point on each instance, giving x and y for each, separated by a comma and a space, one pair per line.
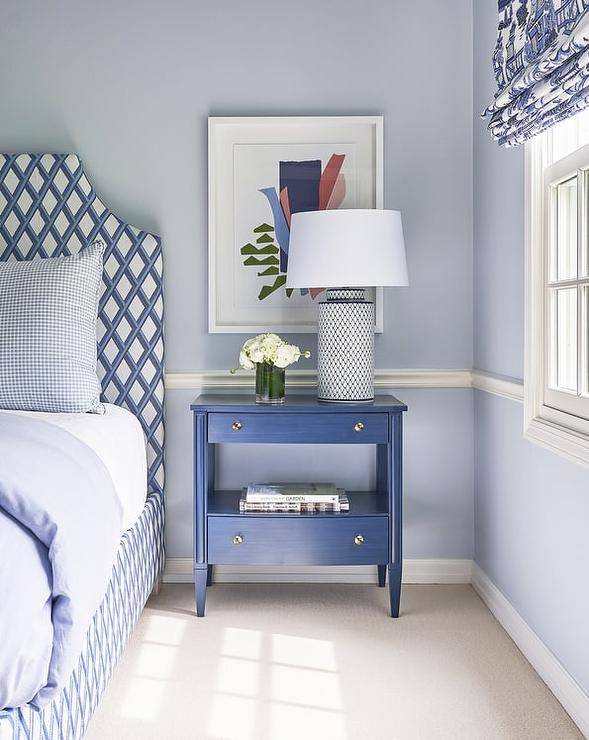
358, 426
359, 539
236, 426
238, 539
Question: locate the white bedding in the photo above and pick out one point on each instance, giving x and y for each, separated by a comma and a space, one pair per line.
117, 438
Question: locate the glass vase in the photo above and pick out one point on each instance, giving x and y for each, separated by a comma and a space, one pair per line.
269, 383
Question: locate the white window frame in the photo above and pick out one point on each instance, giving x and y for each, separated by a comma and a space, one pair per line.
561, 431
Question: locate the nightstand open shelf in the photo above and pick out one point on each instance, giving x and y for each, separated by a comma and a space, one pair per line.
362, 503
370, 533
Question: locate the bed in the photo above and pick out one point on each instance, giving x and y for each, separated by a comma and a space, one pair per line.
49, 208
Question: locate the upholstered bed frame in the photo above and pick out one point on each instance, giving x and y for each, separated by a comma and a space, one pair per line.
47, 208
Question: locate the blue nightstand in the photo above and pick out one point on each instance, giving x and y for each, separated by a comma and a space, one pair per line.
371, 533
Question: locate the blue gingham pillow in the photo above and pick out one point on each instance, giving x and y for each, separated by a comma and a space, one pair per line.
48, 312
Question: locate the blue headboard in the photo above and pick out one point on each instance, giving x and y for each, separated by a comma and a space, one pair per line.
48, 208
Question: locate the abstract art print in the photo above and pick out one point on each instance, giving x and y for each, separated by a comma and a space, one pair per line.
261, 171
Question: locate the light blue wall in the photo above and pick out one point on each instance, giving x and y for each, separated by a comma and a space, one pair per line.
532, 510
531, 506
498, 223
128, 84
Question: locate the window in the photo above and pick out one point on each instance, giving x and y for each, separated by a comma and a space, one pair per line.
566, 193
556, 383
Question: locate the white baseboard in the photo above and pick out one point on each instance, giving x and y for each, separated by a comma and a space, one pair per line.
546, 664
179, 570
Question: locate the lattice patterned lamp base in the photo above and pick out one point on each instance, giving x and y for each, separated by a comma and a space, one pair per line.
345, 357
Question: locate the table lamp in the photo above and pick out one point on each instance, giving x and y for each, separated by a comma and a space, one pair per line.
346, 251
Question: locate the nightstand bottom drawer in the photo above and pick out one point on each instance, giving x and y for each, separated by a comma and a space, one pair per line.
292, 540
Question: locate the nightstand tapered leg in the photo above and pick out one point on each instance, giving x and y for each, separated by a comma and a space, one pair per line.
394, 589
200, 587
382, 575
210, 575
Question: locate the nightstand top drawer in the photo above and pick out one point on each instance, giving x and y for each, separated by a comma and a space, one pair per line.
294, 404
276, 427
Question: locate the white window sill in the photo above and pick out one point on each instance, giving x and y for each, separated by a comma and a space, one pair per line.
559, 439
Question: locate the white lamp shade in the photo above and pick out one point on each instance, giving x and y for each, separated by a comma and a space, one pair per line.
346, 248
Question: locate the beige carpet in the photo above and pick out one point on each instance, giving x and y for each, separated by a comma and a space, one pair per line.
294, 661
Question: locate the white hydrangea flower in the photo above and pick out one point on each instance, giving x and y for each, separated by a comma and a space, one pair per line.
273, 338
269, 348
286, 355
255, 352
245, 361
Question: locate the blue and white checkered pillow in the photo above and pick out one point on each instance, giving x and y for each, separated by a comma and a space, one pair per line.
48, 312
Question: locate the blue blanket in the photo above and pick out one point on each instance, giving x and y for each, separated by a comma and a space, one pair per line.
60, 525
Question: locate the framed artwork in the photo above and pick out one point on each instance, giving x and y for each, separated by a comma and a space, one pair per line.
261, 171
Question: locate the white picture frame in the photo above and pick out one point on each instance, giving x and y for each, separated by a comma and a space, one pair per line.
245, 156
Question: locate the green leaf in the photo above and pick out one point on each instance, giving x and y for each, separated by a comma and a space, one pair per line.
255, 262
264, 239
269, 271
289, 292
263, 227
268, 249
269, 289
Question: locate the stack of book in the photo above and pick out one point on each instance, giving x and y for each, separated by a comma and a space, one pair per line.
295, 498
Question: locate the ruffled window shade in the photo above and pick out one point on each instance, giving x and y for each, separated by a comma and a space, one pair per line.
541, 64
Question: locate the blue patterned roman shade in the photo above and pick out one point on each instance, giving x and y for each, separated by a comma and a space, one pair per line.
541, 64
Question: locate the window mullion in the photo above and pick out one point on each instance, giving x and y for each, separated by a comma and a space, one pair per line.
581, 291
548, 272
573, 282
580, 229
